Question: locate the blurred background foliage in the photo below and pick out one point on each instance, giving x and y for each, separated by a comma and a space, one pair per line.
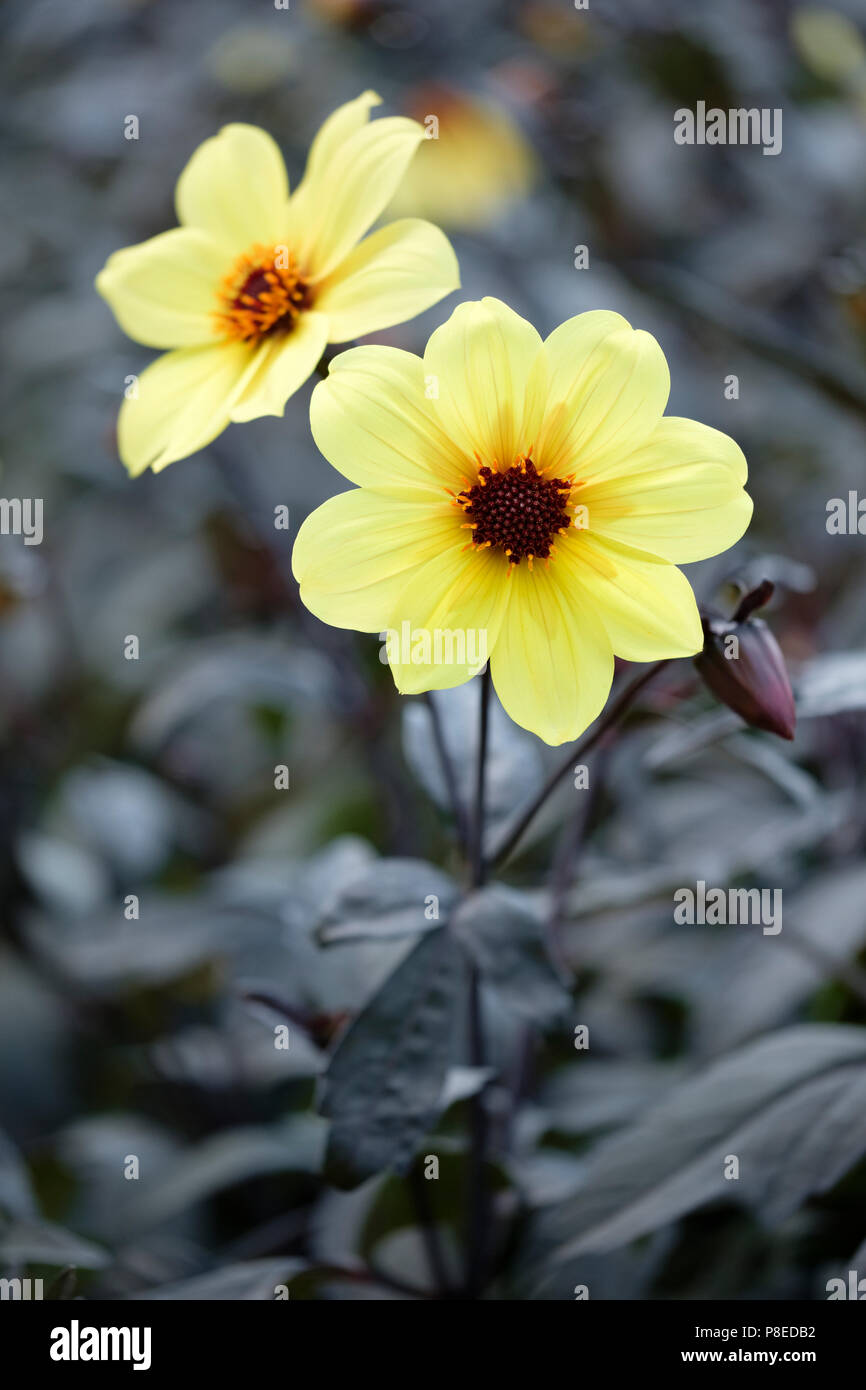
154, 1037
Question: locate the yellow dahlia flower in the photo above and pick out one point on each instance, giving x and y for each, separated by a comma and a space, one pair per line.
250, 287
533, 492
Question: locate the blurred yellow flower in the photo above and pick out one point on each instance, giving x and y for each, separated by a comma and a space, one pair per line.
530, 492
829, 43
473, 163
254, 283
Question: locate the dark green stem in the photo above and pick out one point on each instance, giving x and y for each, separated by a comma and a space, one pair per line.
448, 774
478, 1214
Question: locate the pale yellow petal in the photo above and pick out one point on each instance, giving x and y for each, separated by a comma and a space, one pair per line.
353, 555
487, 366
646, 604
372, 419
447, 618
393, 275
163, 292
184, 400
676, 443
305, 210
235, 187
283, 364
342, 199
552, 665
679, 495
333, 133
609, 385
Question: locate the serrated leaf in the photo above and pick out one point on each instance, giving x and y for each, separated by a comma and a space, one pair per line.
503, 931
385, 1080
791, 1108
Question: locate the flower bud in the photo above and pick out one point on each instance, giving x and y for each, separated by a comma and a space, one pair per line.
743, 666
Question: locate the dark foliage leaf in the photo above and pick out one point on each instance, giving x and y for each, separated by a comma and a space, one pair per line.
388, 898
791, 1108
831, 683
503, 931
394, 1208
16, 1194
40, 1242
385, 1080
225, 1159
251, 1281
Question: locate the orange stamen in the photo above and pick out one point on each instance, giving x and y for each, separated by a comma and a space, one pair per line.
263, 293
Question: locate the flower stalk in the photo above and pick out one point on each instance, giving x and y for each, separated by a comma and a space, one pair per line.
478, 1200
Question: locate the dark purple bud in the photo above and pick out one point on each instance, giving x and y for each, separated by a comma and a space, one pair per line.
743, 666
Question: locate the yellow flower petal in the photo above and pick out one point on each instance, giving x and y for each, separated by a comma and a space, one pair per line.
488, 368
343, 195
333, 133
447, 619
353, 555
373, 421
184, 401
609, 385
282, 366
305, 209
394, 274
235, 187
677, 442
679, 495
163, 292
645, 604
552, 665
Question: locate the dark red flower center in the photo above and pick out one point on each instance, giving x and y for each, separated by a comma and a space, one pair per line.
263, 294
517, 511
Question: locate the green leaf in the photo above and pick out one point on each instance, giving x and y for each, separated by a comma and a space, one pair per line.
832, 683
251, 1281
502, 929
385, 1080
393, 1208
791, 1108
388, 898
16, 1193
223, 1160
41, 1242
